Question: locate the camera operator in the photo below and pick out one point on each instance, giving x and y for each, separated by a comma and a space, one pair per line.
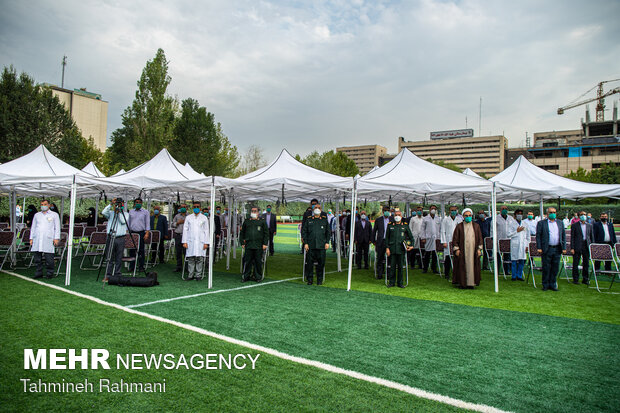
116, 209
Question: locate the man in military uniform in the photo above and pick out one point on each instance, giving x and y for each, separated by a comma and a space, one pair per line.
397, 233
315, 234
254, 237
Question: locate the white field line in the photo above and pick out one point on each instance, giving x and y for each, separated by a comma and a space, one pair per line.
320, 365
243, 287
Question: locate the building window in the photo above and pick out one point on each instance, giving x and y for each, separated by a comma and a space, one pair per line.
550, 167
596, 165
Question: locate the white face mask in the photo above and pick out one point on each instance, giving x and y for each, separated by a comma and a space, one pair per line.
363, 216
397, 218
317, 211
44, 207
253, 215
432, 212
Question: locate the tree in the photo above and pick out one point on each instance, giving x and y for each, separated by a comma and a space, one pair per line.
253, 159
148, 123
337, 163
199, 140
447, 165
579, 175
30, 115
608, 173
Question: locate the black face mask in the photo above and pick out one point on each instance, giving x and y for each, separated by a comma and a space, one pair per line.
603, 219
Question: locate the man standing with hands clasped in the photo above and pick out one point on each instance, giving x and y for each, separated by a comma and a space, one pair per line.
254, 237
196, 239
44, 236
315, 234
397, 233
551, 242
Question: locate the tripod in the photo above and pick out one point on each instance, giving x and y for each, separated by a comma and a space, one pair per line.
111, 238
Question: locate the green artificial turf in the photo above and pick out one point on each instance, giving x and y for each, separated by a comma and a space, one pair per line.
38, 317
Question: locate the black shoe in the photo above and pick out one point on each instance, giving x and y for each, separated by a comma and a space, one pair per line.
141, 269
244, 280
48, 276
521, 279
257, 280
553, 288
390, 285
586, 282
380, 277
176, 270
38, 276
513, 279
424, 271
366, 267
401, 286
189, 278
544, 288
575, 281
309, 282
198, 278
359, 268
319, 283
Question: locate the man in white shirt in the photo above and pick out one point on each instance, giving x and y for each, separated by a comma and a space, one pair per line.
196, 239
504, 223
530, 223
430, 232
44, 236
447, 229
415, 225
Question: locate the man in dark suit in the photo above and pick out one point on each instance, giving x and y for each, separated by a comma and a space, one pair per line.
378, 239
363, 234
272, 226
159, 222
551, 242
580, 240
604, 234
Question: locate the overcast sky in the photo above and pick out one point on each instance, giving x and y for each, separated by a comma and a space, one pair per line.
309, 75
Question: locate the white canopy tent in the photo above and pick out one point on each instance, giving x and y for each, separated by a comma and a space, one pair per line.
287, 179
92, 169
470, 172
529, 181
122, 171
407, 177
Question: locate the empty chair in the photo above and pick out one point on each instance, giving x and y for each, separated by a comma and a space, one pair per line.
532, 254
603, 252
23, 249
7, 240
94, 251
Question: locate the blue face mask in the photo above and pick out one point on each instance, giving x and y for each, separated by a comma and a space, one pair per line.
468, 219
156, 212
452, 213
504, 212
196, 210
386, 213
206, 214
582, 217
552, 216
182, 210
419, 213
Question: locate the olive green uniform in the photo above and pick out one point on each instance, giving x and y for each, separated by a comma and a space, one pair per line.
315, 233
397, 233
254, 234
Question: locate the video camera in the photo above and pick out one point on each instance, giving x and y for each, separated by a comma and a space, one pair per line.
119, 203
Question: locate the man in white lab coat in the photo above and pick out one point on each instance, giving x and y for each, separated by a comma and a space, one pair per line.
447, 229
429, 232
44, 236
415, 225
196, 239
504, 222
519, 235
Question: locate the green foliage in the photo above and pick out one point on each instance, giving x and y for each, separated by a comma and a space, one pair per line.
199, 140
336, 163
445, 165
154, 121
30, 116
608, 173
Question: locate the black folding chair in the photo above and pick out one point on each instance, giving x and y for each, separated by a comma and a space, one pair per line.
23, 249
603, 252
84, 241
503, 248
94, 249
532, 254
60, 250
7, 241
132, 242
151, 242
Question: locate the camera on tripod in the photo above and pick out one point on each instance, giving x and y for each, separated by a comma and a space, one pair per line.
118, 203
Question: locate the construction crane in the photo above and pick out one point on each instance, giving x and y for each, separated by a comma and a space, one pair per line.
600, 97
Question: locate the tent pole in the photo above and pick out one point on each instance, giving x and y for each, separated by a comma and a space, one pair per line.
228, 235
443, 208
352, 236
70, 236
23, 209
234, 222
337, 218
494, 234
211, 236
62, 211
97, 201
542, 208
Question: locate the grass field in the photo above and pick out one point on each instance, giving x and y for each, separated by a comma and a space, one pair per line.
520, 349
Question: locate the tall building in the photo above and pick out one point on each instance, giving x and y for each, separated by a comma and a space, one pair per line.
483, 154
365, 157
562, 152
88, 110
